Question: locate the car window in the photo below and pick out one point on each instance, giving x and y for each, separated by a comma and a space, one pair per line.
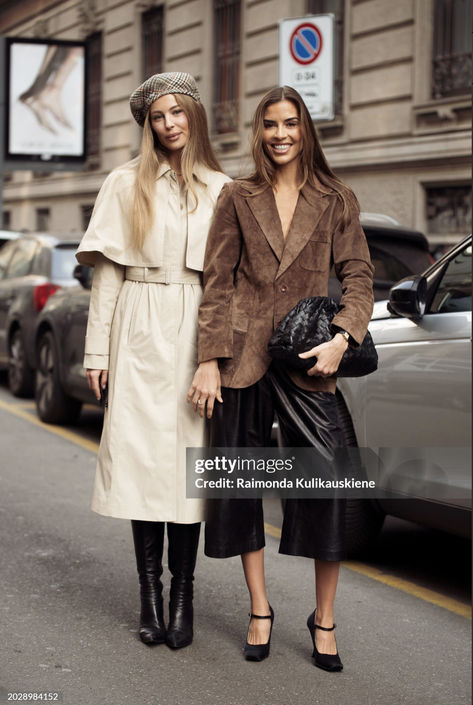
454, 289
387, 267
20, 263
63, 262
5, 253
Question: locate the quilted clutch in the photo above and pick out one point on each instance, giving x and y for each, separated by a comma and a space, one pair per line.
309, 324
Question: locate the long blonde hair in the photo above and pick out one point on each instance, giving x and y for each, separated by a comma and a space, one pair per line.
197, 150
313, 164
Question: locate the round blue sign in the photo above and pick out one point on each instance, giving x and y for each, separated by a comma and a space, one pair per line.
305, 43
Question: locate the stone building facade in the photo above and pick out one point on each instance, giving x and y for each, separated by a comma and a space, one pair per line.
401, 136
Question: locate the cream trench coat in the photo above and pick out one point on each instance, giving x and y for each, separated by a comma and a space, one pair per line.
145, 334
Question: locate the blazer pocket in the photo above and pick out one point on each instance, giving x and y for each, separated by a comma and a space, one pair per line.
316, 256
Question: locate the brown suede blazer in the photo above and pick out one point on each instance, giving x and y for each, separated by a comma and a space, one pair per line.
252, 277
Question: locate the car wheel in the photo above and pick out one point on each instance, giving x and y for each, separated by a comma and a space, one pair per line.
363, 519
20, 374
52, 404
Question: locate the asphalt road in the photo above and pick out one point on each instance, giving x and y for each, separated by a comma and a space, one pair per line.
70, 603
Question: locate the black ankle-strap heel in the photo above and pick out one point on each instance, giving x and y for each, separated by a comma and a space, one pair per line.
329, 662
258, 652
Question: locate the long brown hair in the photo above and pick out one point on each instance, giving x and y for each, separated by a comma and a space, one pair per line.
313, 164
197, 150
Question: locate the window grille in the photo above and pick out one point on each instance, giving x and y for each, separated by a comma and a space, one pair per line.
152, 41
86, 213
451, 67
227, 47
94, 93
449, 210
43, 216
337, 8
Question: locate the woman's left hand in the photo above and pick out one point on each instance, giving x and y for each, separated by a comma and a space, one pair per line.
328, 356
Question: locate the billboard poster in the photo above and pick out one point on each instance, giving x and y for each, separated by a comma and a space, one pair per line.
45, 115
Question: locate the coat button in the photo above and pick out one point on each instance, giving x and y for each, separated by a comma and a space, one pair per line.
284, 288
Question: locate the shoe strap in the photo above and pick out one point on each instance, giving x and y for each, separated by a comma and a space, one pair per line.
259, 616
325, 629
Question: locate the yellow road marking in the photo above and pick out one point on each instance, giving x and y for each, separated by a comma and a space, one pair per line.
425, 594
21, 410
448, 603
272, 530
406, 586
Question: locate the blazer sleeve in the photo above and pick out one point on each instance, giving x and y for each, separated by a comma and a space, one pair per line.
354, 269
222, 255
106, 284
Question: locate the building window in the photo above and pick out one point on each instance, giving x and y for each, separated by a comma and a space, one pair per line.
227, 47
449, 210
152, 41
6, 220
336, 7
94, 93
86, 213
451, 69
43, 216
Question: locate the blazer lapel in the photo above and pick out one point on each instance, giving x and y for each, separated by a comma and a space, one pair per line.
310, 207
263, 207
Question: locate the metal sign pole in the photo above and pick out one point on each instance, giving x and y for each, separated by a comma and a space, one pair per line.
3, 99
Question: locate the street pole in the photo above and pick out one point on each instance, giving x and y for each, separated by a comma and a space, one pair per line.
3, 99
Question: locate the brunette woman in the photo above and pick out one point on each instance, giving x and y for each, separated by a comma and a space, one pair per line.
273, 241
146, 240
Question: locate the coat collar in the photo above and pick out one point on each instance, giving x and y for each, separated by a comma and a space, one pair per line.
311, 205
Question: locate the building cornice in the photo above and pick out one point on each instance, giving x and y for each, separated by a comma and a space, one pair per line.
402, 151
78, 185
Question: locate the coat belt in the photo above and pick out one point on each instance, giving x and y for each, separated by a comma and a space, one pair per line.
159, 275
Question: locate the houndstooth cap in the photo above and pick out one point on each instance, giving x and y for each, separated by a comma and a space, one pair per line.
158, 85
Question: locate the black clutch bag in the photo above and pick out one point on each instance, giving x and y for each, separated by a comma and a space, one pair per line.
309, 324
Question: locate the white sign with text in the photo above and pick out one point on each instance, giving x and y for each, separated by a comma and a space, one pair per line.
306, 57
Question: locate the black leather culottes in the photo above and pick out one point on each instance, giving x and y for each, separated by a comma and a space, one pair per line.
313, 528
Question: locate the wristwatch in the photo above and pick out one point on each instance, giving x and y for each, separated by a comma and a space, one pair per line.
344, 333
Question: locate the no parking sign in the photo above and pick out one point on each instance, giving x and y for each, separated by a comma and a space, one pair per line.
306, 61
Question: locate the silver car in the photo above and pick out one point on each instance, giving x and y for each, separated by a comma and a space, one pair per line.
32, 268
417, 405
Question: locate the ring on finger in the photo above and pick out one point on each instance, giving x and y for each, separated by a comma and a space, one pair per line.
200, 401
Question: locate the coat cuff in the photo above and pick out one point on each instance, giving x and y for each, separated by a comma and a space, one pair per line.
213, 352
357, 333
97, 344
96, 362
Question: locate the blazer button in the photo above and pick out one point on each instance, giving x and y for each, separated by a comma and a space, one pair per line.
284, 288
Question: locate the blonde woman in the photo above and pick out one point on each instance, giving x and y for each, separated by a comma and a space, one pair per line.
146, 240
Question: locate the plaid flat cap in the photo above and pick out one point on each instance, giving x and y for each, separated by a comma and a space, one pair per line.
158, 85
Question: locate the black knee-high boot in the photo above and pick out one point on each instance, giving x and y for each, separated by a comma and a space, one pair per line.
148, 539
183, 541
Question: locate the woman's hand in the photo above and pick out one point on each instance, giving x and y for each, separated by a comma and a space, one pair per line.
328, 356
96, 380
205, 388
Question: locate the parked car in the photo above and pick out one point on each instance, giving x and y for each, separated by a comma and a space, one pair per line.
420, 397
61, 386
395, 251
32, 267
7, 235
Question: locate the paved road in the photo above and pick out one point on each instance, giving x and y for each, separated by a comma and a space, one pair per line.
70, 609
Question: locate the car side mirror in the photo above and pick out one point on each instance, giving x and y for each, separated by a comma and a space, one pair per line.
408, 297
83, 275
